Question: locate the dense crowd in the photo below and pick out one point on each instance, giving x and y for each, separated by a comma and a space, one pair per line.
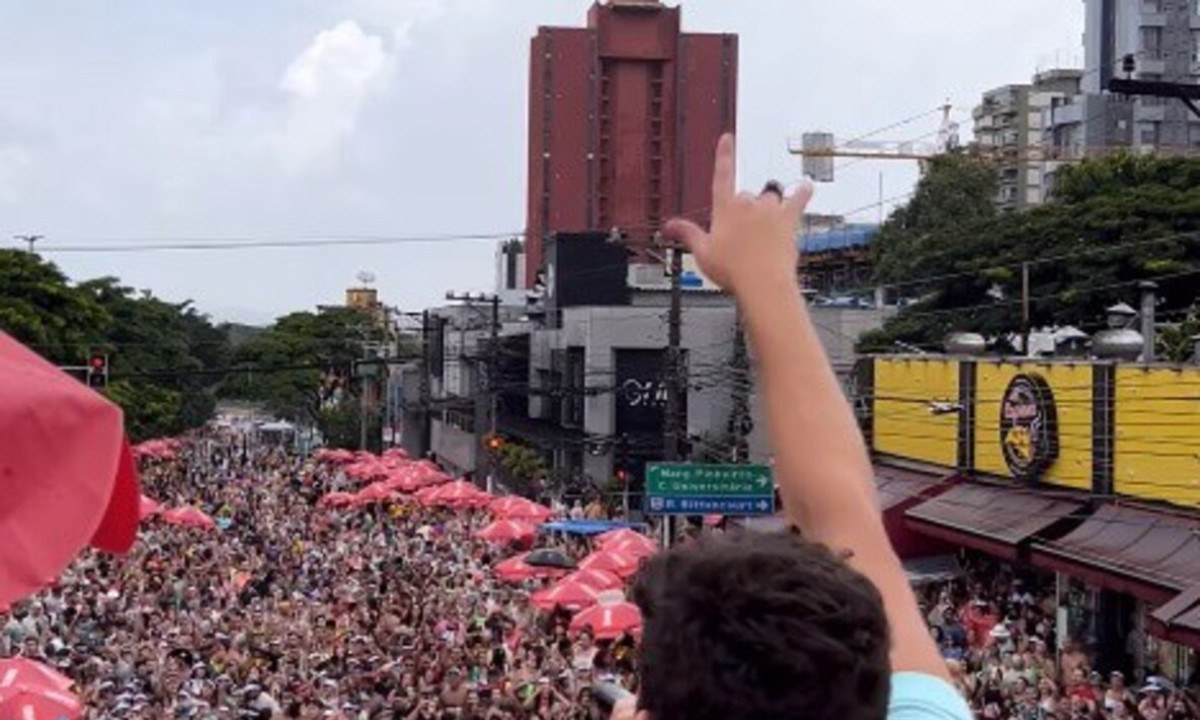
293, 611
997, 630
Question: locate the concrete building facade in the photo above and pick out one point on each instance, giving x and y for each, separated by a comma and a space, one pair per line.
1009, 126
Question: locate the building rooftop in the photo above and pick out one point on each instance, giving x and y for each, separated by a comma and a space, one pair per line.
847, 237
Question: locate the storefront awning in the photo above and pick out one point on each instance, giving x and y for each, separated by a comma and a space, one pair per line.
896, 486
1179, 619
995, 520
1151, 555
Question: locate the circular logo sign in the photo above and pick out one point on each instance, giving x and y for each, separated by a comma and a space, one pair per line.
1028, 427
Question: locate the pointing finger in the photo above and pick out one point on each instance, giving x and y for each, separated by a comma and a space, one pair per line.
725, 171
799, 198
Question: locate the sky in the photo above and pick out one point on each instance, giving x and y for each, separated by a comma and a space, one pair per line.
143, 121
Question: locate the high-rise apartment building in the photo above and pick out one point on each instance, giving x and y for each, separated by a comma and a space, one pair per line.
1163, 39
624, 115
1009, 124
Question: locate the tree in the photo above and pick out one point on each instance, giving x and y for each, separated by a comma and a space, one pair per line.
40, 308
1110, 223
301, 368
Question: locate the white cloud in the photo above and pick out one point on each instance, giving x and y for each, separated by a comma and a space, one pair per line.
328, 85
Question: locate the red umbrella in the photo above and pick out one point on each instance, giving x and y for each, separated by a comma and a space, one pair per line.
635, 548
69, 476
188, 516
513, 507
20, 671
27, 702
405, 481
336, 499
507, 531
599, 579
574, 595
148, 507
618, 564
607, 540
459, 493
375, 492
608, 622
514, 569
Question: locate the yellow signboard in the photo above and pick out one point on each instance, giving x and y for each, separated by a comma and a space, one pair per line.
1156, 444
910, 399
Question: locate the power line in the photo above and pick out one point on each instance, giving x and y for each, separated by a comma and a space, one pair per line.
208, 244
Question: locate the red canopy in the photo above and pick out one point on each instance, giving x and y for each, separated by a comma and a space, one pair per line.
148, 507
515, 569
24, 702
514, 507
375, 492
618, 564
599, 579
459, 493
608, 622
574, 595
635, 547
23, 671
611, 538
188, 516
69, 476
507, 531
336, 499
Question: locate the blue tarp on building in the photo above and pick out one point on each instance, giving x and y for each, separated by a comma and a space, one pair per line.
587, 527
847, 237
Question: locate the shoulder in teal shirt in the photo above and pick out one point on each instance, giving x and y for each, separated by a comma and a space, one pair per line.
916, 696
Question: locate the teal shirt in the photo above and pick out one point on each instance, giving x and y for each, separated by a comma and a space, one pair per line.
916, 696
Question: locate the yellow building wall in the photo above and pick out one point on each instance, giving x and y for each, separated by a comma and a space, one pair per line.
1072, 388
1156, 451
902, 424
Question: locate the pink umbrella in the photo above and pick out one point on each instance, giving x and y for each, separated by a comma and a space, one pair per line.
188, 516
507, 531
632, 547
459, 493
612, 537
148, 507
375, 492
405, 481
27, 702
618, 564
69, 476
599, 579
573, 595
23, 671
608, 622
514, 569
513, 507
336, 499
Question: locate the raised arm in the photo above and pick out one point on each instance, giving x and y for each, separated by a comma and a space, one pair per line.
825, 475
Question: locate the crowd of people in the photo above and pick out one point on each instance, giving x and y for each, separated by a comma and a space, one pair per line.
997, 630
291, 610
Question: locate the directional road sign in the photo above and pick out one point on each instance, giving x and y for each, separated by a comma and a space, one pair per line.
690, 489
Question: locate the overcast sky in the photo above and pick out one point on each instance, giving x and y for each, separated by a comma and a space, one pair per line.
145, 120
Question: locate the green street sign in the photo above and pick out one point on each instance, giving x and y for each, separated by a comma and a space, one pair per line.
691, 480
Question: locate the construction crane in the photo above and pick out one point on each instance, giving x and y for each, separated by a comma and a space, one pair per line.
820, 149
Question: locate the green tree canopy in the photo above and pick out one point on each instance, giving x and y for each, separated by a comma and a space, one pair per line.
1111, 223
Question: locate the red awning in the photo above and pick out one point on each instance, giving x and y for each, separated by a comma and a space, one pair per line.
1179, 619
1151, 555
993, 519
897, 486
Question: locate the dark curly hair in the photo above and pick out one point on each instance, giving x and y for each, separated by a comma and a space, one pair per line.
762, 627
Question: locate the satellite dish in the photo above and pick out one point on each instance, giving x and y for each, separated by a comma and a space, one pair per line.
366, 277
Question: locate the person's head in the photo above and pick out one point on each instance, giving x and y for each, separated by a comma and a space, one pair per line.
768, 626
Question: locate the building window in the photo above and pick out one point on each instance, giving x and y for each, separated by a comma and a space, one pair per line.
1148, 134
1153, 7
1152, 43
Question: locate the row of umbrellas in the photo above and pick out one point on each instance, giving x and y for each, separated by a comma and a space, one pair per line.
591, 589
185, 516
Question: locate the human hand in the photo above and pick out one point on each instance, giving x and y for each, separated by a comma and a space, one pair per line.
752, 241
627, 709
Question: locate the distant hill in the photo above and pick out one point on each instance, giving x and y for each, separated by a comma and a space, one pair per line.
240, 334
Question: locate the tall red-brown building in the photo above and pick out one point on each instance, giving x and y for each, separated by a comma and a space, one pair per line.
624, 115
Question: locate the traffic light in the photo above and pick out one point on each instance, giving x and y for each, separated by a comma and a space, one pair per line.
97, 375
623, 476
495, 442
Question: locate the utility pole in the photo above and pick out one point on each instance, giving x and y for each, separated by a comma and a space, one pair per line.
29, 240
488, 387
674, 427
424, 386
1149, 300
1025, 309
740, 420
